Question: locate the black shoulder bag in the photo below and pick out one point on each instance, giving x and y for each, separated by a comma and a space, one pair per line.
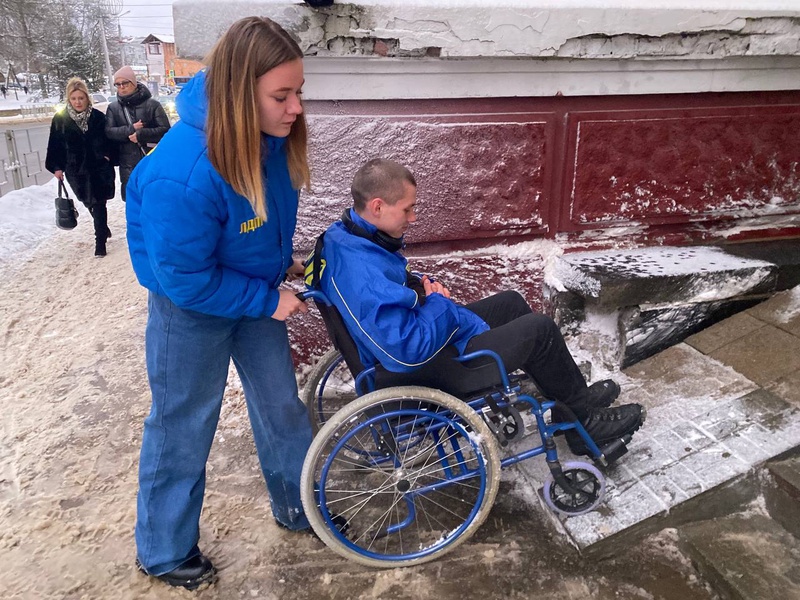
66, 213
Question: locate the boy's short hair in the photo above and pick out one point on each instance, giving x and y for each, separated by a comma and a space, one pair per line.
380, 178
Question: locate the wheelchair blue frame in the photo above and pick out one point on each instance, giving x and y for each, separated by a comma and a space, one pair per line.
415, 443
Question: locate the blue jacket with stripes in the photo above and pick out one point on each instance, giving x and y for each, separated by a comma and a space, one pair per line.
367, 284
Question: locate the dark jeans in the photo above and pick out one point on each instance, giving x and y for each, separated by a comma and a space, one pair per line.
523, 339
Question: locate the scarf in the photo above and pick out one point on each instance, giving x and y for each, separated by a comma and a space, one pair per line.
81, 118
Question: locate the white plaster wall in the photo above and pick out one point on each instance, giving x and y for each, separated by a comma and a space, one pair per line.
618, 46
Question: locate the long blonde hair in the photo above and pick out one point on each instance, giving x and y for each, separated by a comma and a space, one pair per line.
251, 47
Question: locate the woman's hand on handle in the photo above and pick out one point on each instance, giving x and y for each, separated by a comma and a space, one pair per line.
288, 305
59, 175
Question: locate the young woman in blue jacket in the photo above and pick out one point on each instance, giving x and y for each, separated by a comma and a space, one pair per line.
211, 214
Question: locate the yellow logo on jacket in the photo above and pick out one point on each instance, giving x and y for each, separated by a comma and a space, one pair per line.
251, 225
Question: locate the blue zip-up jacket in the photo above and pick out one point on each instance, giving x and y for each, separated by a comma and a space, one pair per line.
192, 238
367, 284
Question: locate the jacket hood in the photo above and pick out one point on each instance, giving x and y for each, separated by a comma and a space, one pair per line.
136, 98
192, 102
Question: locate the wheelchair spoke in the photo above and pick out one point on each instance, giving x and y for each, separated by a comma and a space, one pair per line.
410, 474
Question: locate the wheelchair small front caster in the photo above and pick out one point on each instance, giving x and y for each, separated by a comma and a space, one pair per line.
588, 488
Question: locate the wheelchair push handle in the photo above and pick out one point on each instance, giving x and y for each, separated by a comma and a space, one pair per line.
315, 295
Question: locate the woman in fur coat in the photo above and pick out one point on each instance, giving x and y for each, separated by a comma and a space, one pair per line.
79, 149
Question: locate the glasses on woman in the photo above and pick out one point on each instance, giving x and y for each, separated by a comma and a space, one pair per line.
123, 84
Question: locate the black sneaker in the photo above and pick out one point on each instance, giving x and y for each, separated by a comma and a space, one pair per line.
100, 249
190, 575
606, 425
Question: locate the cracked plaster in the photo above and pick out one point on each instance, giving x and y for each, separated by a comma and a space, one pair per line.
508, 29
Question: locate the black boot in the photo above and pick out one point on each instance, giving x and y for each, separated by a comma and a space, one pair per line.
190, 575
101, 231
605, 425
601, 394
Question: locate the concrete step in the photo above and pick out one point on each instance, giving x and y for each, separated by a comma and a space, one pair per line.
661, 295
746, 556
782, 495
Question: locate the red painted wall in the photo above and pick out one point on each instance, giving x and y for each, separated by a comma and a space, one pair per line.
603, 171
530, 167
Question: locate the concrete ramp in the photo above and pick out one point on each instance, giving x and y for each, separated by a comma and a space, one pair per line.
719, 404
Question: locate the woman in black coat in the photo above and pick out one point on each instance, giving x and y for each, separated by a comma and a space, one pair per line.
136, 122
79, 149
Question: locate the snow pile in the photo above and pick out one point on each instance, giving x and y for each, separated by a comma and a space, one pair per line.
27, 217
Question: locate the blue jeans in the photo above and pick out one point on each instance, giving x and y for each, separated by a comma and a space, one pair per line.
188, 354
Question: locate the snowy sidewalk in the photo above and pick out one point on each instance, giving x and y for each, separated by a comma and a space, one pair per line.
73, 395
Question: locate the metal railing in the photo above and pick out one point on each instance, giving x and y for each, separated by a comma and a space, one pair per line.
22, 158
37, 109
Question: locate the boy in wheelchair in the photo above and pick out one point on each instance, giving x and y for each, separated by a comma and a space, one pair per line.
408, 325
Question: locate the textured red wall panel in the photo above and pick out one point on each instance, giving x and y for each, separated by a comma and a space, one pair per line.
479, 175
703, 164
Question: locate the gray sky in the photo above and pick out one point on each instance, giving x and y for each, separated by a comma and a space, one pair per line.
146, 16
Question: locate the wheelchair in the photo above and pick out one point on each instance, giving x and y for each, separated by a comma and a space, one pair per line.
398, 475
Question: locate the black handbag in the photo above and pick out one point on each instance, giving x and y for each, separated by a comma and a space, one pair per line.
66, 213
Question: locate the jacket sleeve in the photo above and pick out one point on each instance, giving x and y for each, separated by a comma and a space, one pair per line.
116, 130
181, 250
56, 158
154, 134
387, 317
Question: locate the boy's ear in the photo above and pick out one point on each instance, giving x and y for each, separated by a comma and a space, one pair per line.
374, 206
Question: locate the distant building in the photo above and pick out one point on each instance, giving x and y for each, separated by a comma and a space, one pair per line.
164, 67
132, 53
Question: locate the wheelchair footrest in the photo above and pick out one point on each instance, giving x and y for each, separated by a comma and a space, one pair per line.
613, 451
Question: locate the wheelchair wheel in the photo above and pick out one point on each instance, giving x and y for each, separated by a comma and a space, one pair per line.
430, 482
329, 387
586, 479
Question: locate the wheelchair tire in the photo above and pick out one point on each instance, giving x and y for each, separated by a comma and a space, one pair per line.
583, 476
329, 386
416, 510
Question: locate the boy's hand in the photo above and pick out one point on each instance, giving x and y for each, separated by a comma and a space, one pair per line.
434, 287
295, 270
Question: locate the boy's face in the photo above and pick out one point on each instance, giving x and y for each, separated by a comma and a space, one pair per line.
394, 219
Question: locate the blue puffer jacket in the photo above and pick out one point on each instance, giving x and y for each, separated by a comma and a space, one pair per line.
367, 284
192, 238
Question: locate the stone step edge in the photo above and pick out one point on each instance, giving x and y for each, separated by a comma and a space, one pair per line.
726, 498
732, 566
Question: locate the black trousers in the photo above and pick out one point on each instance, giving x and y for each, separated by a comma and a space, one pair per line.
97, 208
522, 338
124, 175
99, 213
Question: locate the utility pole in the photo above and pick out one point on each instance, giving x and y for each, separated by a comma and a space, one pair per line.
109, 72
110, 8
